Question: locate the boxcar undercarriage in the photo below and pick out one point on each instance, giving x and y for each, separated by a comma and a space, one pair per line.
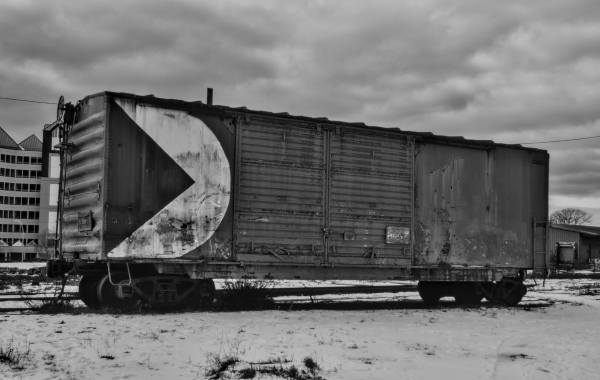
124, 285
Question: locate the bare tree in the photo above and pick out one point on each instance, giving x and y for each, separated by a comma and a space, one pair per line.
45, 246
572, 216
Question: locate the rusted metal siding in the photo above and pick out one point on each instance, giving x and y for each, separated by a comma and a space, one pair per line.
85, 180
370, 194
476, 206
281, 178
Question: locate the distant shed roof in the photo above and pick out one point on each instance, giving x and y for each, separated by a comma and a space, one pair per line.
7, 142
584, 230
32, 143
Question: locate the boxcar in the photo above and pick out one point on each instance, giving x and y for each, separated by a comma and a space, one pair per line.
161, 196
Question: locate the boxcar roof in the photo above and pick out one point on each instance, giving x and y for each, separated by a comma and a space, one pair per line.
428, 136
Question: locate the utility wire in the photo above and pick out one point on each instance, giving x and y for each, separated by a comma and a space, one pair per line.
530, 143
547, 142
29, 101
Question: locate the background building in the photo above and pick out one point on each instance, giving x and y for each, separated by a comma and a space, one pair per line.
585, 240
28, 201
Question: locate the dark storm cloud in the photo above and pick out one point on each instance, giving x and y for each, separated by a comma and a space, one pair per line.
511, 71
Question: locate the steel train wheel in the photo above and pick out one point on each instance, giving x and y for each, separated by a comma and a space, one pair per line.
516, 295
107, 292
429, 291
88, 291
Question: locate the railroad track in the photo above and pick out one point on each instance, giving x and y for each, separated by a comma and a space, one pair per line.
273, 292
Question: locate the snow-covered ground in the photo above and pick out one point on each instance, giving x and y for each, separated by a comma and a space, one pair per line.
30, 265
554, 335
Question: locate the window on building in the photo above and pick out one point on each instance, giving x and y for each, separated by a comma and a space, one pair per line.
10, 214
1, 185
12, 159
1, 172
53, 197
18, 187
31, 229
2, 158
26, 173
19, 160
11, 200
52, 221
17, 201
12, 173
26, 160
25, 187
54, 166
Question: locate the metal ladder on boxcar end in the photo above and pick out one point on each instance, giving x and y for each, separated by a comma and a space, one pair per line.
540, 247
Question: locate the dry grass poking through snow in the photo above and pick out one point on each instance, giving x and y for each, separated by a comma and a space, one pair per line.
229, 364
247, 293
15, 355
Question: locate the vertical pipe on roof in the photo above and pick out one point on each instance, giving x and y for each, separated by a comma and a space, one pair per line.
209, 96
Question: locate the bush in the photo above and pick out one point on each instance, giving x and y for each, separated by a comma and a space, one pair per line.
246, 292
15, 355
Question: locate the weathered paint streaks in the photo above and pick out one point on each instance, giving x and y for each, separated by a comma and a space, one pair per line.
465, 211
190, 220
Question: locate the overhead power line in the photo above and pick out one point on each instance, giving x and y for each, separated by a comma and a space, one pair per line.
548, 142
29, 101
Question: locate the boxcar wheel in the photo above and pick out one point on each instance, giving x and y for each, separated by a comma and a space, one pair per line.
88, 291
429, 291
516, 295
107, 292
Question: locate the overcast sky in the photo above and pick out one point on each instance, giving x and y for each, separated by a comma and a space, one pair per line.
509, 71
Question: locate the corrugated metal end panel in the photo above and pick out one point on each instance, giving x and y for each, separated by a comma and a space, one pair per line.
371, 190
83, 185
281, 190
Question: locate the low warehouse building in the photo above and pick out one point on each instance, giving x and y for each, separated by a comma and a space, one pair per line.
584, 239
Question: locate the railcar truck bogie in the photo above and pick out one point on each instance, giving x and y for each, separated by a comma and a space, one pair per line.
158, 197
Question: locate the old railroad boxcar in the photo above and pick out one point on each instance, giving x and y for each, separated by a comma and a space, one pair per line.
161, 196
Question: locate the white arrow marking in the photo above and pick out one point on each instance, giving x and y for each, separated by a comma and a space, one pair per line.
202, 206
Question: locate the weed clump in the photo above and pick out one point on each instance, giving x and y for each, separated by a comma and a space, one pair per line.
53, 306
15, 356
217, 365
222, 366
246, 292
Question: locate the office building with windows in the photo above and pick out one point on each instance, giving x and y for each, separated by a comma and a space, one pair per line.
28, 201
